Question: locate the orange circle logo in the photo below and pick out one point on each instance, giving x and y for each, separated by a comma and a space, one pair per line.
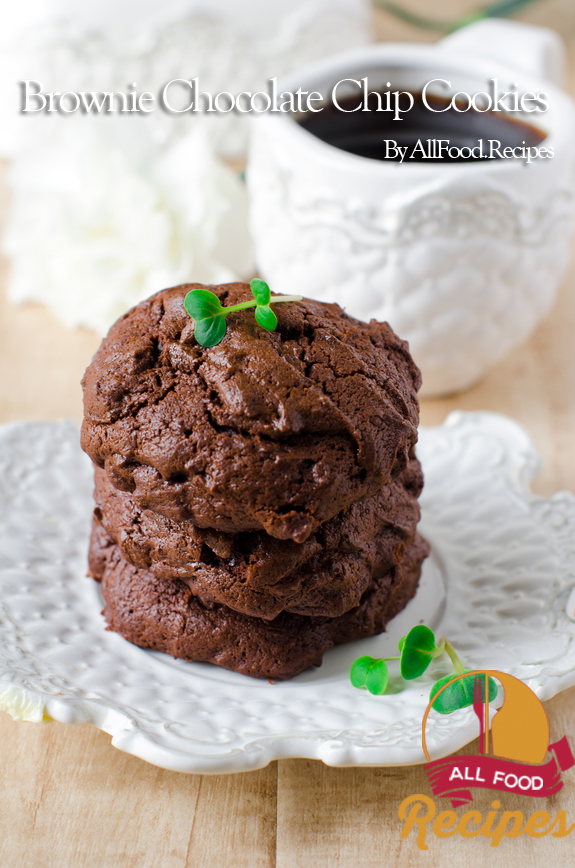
519, 728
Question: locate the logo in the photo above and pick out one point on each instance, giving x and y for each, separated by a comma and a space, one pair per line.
512, 759
519, 740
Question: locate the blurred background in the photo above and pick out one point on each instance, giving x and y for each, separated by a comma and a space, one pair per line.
99, 212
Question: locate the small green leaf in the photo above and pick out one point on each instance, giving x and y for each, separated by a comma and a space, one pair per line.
210, 331
401, 643
260, 291
417, 652
266, 317
459, 694
201, 303
371, 673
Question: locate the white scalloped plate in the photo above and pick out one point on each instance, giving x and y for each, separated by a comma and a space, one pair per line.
497, 584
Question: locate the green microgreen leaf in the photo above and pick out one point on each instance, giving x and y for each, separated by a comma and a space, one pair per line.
266, 317
201, 303
401, 643
459, 694
210, 331
260, 291
417, 651
370, 673
209, 316
205, 308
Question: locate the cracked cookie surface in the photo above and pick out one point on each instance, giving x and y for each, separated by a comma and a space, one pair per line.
259, 575
164, 615
267, 431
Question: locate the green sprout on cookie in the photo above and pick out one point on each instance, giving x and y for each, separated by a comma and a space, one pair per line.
416, 651
210, 317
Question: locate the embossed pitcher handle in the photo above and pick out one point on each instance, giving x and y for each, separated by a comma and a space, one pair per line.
538, 51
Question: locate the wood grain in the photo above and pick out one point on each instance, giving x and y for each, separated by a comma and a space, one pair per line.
339, 818
68, 799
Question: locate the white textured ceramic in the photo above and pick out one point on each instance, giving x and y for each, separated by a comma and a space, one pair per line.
497, 584
462, 259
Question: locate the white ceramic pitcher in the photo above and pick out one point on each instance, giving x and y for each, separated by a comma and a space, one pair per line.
462, 259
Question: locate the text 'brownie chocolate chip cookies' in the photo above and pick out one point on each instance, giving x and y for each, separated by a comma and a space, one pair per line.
256, 499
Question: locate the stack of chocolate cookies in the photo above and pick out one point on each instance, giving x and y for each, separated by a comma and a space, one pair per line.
256, 501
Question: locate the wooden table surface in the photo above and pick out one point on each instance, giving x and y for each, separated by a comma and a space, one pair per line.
68, 798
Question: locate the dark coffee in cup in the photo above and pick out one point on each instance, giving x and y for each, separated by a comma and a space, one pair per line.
469, 134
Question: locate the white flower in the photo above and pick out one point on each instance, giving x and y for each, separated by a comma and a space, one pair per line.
21, 704
108, 209
230, 45
96, 226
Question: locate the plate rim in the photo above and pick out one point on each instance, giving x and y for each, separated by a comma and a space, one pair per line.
327, 745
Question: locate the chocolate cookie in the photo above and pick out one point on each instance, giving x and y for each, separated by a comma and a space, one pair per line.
276, 431
164, 615
259, 575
